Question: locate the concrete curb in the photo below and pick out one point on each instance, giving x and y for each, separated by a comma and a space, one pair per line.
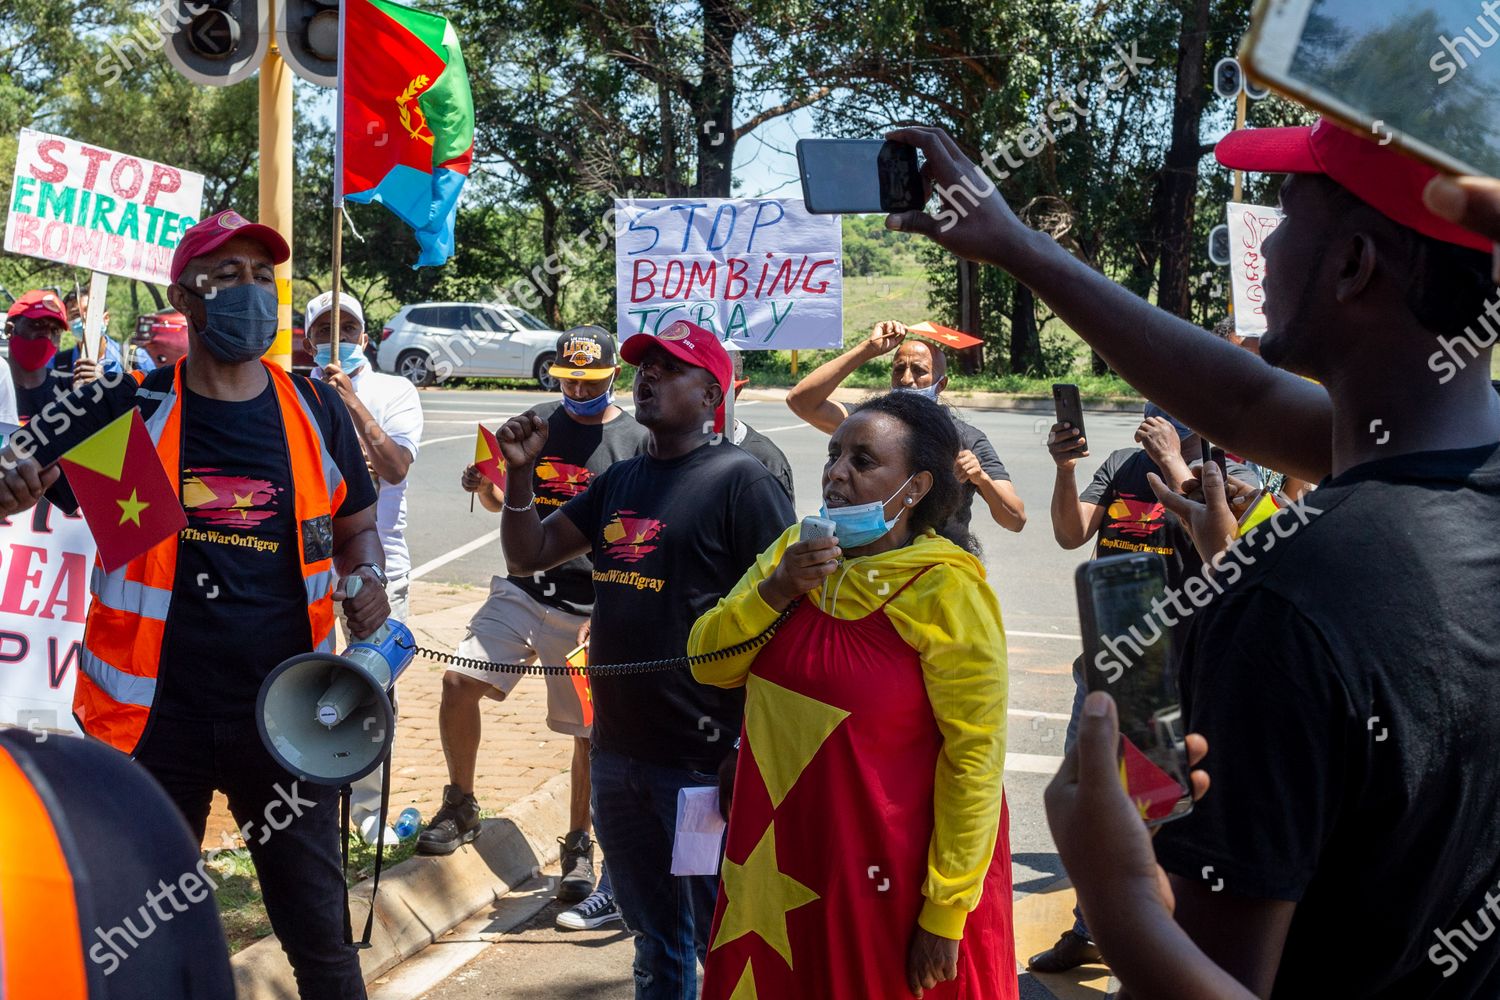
966, 400
423, 898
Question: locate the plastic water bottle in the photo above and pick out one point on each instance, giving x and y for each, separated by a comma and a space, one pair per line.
407, 822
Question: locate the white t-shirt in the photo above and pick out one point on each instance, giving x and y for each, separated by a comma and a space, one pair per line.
397, 407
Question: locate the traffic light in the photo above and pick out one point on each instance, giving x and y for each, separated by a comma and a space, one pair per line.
308, 36
1228, 78
216, 42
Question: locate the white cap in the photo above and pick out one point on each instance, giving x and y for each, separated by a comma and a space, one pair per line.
320, 304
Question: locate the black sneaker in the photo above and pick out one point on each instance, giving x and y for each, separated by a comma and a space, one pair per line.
1071, 951
577, 867
456, 823
595, 911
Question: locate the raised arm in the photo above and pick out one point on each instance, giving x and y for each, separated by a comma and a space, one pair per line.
809, 398
1223, 392
1073, 521
531, 545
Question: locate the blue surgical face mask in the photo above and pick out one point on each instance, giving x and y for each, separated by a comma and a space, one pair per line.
860, 524
241, 322
930, 391
592, 407
77, 326
350, 355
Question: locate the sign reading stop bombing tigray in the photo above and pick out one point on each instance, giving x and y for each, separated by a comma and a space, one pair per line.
90, 207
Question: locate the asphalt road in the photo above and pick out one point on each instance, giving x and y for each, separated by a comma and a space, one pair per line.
1031, 574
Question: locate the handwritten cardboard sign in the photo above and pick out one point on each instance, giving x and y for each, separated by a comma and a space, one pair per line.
85, 206
762, 273
1249, 225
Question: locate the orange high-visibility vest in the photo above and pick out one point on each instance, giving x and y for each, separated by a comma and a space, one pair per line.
127, 617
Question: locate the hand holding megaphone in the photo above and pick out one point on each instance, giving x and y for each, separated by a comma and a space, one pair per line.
326, 717
365, 608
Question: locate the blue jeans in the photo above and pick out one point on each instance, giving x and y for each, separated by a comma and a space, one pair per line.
635, 819
1080, 691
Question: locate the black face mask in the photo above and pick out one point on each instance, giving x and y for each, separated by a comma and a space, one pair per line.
240, 324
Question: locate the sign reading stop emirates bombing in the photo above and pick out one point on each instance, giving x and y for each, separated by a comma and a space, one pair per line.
89, 207
761, 272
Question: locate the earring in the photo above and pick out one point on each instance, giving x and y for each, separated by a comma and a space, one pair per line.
908, 501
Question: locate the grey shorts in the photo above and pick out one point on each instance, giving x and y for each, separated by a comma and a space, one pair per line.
514, 627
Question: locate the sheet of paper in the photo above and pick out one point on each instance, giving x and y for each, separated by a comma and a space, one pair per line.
700, 832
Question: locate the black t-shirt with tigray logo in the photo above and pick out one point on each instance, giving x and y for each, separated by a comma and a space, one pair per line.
1135, 521
1347, 683
239, 606
574, 455
669, 539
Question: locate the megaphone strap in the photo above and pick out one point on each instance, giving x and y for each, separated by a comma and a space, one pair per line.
606, 669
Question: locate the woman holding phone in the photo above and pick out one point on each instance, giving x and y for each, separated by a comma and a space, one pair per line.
868, 853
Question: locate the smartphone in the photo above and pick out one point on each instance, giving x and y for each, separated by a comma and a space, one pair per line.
814, 527
1407, 69
1213, 453
852, 176
1067, 404
1114, 606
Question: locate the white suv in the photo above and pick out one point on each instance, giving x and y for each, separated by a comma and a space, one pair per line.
432, 341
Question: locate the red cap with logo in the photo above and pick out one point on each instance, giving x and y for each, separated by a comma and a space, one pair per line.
38, 304
1382, 177
218, 229
693, 345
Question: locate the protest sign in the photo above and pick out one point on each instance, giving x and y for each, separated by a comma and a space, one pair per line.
759, 272
45, 558
80, 205
1249, 225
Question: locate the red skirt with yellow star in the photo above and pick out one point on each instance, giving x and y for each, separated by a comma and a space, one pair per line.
831, 822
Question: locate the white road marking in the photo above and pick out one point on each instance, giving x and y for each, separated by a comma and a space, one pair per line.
1043, 635
454, 437
452, 554
773, 430
1032, 763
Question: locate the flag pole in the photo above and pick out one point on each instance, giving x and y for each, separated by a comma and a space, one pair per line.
338, 268
338, 192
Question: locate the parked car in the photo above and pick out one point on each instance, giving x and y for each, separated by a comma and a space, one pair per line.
432, 341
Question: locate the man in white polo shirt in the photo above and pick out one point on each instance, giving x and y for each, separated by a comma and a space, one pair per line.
387, 413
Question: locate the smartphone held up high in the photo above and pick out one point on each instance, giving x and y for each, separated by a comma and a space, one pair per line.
1131, 658
852, 176
1422, 73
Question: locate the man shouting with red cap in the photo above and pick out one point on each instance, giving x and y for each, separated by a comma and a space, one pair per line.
1346, 679
273, 483
670, 533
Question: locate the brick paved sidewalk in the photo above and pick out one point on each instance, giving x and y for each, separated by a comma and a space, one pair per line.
518, 752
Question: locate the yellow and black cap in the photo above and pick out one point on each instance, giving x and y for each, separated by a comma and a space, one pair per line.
584, 352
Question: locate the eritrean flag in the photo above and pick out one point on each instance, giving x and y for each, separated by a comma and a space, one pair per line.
405, 118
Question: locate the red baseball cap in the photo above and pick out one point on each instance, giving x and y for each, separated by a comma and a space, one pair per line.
216, 230
38, 304
1382, 177
693, 345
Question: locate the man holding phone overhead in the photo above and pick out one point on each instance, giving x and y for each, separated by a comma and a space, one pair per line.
1346, 678
918, 366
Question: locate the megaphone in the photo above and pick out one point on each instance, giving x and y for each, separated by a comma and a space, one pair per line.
328, 719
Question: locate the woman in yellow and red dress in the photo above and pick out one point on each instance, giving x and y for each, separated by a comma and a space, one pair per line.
868, 854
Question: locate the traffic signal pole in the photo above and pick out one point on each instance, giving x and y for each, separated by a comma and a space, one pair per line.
276, 183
